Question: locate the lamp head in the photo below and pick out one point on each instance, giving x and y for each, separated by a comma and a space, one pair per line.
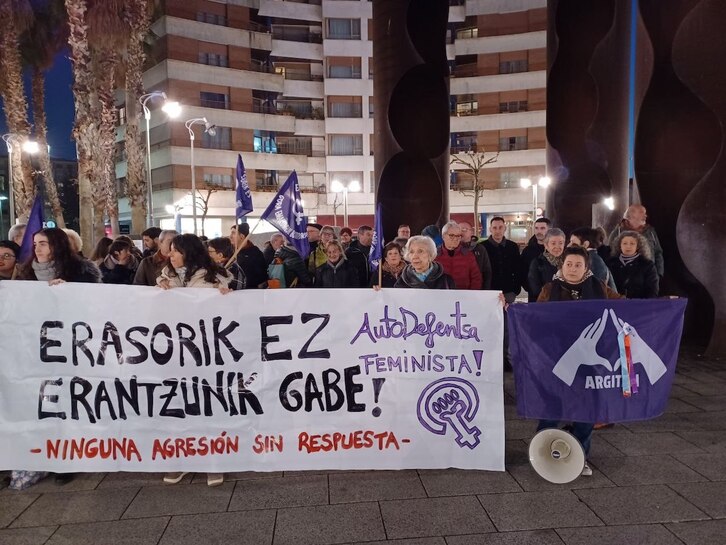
354, 186
209, 128
544, 181
525, 182
31, 146
336, 186
172, 108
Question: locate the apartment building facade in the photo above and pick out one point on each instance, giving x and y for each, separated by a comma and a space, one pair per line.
289, 86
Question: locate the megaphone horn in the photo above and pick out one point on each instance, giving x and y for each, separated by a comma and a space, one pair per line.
557, 456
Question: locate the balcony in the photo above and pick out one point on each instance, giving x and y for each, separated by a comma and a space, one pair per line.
296, 34
295, 146
345, 110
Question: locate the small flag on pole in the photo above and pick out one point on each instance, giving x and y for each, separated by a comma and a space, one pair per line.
376, 253
35, 224
286, 214
244, 196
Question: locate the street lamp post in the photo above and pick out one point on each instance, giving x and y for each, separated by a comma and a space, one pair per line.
211, 131
336, 186
172, 109
543, 182
29, 146
2, 221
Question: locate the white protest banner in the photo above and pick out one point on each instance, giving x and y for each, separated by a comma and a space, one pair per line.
124, 378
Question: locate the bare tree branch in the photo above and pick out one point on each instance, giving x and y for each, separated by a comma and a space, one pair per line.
473, 162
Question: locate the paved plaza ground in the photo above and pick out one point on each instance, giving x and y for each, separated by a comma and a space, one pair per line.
659, 482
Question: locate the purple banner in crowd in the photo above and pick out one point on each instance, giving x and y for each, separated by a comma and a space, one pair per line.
566, 358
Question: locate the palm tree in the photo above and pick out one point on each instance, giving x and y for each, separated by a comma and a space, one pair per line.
40, 43
138, 19
15, 17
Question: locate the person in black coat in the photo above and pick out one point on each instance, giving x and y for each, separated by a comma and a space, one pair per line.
391, 267
358, 252
504, 257
423, 271
632, 266
297, 274
249, 256
337, 272
543, 267
119, 266
535, 248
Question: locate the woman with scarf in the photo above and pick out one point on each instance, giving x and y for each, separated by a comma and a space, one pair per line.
191, 267
543, 268
391, 267
632, 266
574, 281
423, 271
53, 261
336, 272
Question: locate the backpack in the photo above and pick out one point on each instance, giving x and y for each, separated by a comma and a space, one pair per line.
276, 274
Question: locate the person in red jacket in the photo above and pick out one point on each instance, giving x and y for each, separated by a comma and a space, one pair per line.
458, 260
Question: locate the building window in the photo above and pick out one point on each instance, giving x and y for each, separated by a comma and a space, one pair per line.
511, 178
513, 143
211, 18
266, 180
121, 118
346, 144
344, 67
463, 142
344, 29
467, 107
214, 100
465, 33
513, 106
264, 142
220, 180
345, 108
513, 67
213, 59
222, 139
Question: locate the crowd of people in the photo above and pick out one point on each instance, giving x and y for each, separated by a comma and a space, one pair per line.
551, 267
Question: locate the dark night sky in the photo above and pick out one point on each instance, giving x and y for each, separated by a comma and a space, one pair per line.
59, 108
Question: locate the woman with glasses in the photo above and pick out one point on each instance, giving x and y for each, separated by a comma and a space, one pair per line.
9, 252
458, 260
220, 251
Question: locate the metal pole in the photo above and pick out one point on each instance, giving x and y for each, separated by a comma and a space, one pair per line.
11, 187
345, 207
194, 181
149, 189
534, 207
2, 222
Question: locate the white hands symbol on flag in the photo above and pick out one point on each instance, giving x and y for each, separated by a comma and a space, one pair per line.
584, 352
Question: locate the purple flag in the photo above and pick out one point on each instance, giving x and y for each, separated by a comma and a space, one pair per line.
35, 224
286, 214
244, 196
376, 254
566, 358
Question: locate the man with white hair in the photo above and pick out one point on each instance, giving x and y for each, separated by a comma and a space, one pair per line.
636, 219
16, 233
275, 243
150, 267
457, 259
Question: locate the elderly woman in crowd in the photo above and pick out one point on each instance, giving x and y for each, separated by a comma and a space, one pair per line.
632, 266
220, 251
391, 267
120, 264
423, 271
318, 257
336, 272
575, 282
191, 267
542, 269
101, 250
9, 252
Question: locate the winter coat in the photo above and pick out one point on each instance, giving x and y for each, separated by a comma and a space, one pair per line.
357, 255
150, 269
295, 268
460, 265
115, 273
540, 273
636, 280
196, 281
531, 252
87, 273
436, 280
340, 275
600, 269
504, 258
485, 266
650, 235
590, 288
252, 262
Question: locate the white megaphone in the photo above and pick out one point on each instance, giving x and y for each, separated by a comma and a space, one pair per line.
556, 455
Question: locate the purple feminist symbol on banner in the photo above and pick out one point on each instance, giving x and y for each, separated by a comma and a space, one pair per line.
450, 403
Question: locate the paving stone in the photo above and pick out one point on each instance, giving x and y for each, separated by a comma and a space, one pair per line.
708, 403
646, 534
709, 532
434, 517
329, 524
118, 532
713, 420
70, 507
241, 476
520, 429
711, 465
125, 479
537, 510
709, 497
11, 505
157, 501
678, 405
414, 541
531, 482
601, 448
639, 505
536, 537
242, 528
516, 452
26, 536
666, 422
633, 470
279, 492
707, 440
82, 481
375, 486
459, 482
678, 391
705, 388
639, 444
305, 473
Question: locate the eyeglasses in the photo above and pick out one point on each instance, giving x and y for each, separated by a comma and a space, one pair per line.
7, 256
454, 236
